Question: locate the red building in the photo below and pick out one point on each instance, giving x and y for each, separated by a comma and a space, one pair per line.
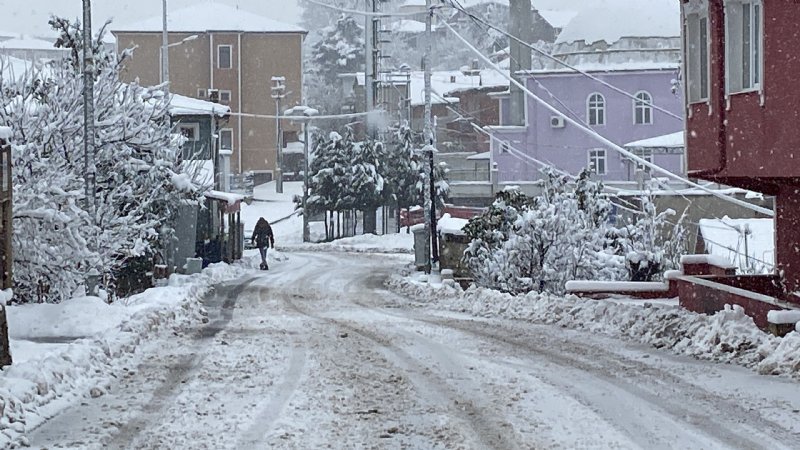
743, 106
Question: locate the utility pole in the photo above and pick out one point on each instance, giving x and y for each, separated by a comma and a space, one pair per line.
307, 113
278, 93
520, 17
369, 69
428, 131
88, 110
164, 46
306, 228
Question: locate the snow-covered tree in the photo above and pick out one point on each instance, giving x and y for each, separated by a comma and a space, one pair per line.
522, 244
340, 50
58, 238
402, 172
650, 243
368, 180
331, 177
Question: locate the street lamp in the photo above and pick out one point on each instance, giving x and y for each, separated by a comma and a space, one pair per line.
305, 115
278, 93
164, 56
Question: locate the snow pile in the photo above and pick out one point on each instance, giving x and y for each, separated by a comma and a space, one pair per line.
784, 317
368, 243
615, 286
729, 336
48, 377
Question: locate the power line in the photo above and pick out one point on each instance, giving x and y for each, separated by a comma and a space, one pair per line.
601, 138
363, 13
474, 17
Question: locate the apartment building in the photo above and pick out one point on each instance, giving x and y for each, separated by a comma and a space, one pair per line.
216, 47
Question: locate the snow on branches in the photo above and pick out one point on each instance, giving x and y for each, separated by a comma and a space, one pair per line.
568, 232
347, 175
56, 238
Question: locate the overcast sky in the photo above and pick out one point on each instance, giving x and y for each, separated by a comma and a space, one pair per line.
30, 16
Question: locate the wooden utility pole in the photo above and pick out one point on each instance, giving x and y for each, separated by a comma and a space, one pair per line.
428, 133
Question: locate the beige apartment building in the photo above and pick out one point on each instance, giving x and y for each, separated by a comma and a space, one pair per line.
219, 47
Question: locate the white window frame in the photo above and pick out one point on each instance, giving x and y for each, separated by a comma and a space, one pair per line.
696, 13
219, 59
223, 93
223, 131
645, 106
598, 108
741, 78
647, 155
195, 127
597, 154
202, 94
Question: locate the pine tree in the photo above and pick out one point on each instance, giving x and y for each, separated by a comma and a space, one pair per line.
340, 50
367, 180
402, 172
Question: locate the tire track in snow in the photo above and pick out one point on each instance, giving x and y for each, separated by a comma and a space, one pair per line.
274, 407
606, 369
224, 298
487, 431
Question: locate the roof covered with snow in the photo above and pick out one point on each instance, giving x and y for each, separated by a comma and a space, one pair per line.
556, 18
5, 132
211, 17
181, 105
603, 21
407, 26
673, 140
443, 83
29, 43
480, 156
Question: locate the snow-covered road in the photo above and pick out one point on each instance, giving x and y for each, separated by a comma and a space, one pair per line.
317, 354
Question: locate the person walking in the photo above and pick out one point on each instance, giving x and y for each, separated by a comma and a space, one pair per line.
263, 239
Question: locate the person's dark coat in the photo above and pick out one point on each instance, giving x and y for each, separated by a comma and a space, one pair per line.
262, 234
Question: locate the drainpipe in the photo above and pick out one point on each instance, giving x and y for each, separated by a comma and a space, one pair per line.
211, 59
239, 100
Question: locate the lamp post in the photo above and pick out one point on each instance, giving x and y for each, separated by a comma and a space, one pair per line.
164, 54
307, 114
278, 93
88, 110
164, 44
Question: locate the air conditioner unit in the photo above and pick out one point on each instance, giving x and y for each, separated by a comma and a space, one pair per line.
556, 122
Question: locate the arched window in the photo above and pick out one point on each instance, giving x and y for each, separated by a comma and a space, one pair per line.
643, 109
597, 109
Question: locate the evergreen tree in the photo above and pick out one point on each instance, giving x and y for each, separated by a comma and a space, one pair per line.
367, 180
402, 172
340, 50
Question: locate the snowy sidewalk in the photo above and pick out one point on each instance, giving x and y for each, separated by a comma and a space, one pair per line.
729, 336
66, 352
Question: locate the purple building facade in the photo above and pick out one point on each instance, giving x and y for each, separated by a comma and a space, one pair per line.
639, 55
617, 117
